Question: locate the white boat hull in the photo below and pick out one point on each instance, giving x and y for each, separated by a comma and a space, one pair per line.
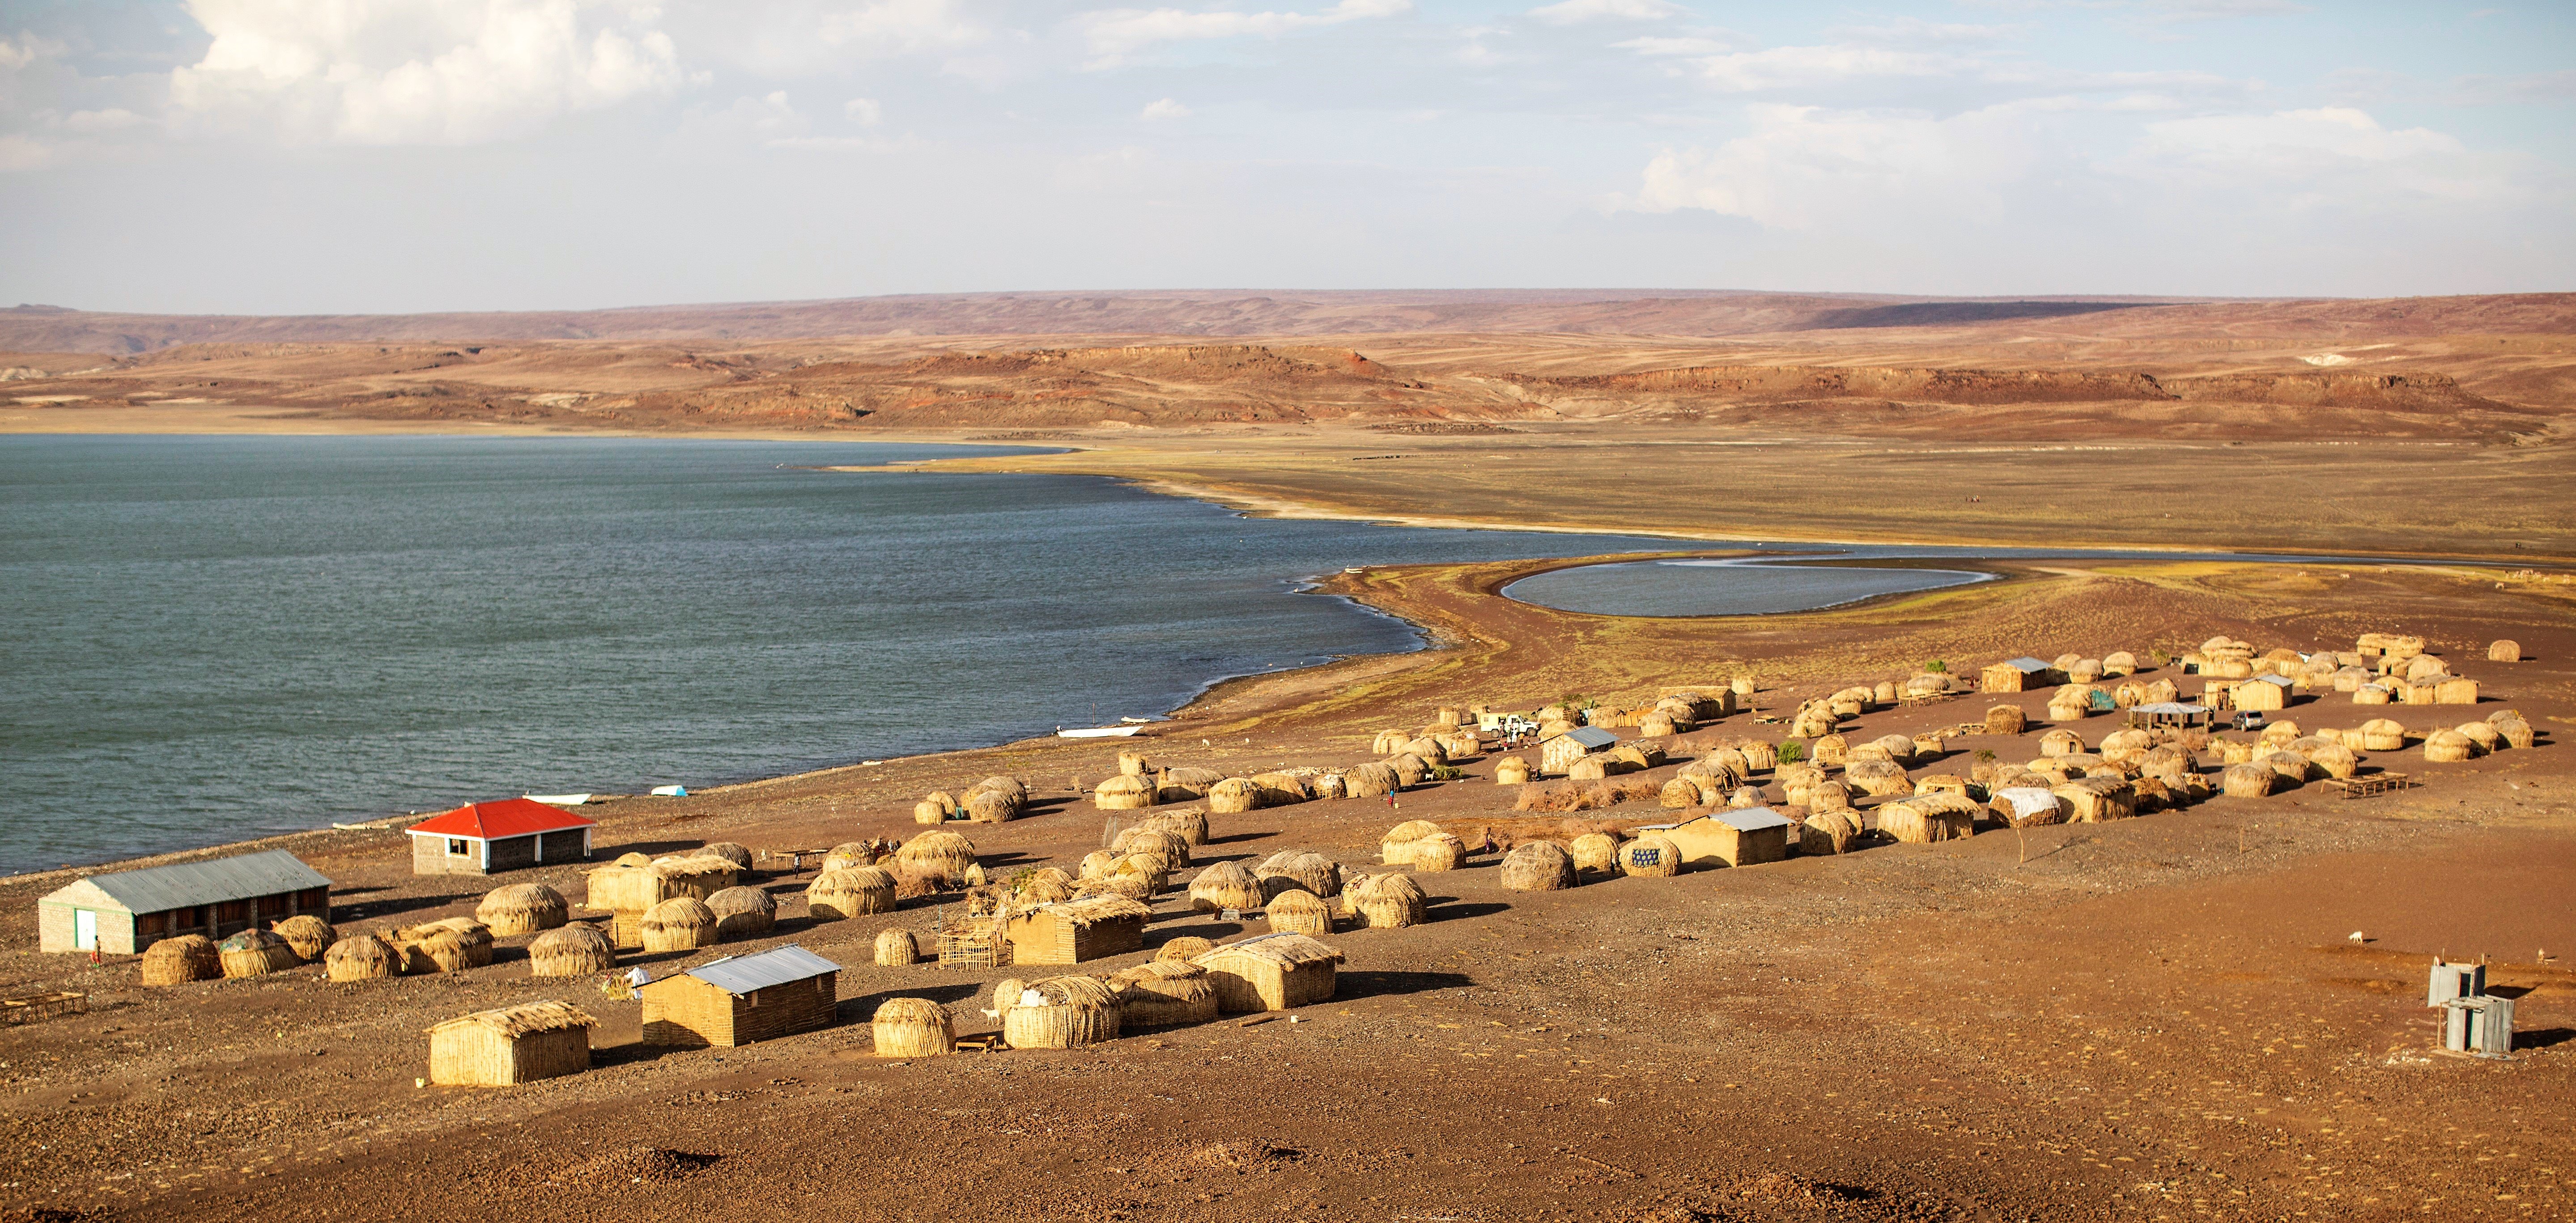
1099, 732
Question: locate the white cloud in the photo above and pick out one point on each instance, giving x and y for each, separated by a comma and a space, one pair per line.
26, 49
864, 111
1165, 108
91, 122
1697, 44
2333, 155
1115, 34
2222, 10
1805, 167
1571, 12
891, 27
1784, 68
419, 71
23, 153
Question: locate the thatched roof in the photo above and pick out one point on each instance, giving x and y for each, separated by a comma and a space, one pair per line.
525, 1018
1285, 950
1093, 909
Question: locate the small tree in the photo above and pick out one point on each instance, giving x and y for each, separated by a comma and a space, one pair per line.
1985, 755
1937, 667
1792, 751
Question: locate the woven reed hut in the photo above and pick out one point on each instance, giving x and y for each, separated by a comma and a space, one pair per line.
848, 854
2017, 675
1396, 847
1185, 947
2292, 767
1225, 885
1298, 911
308, 936
897, 949
1877, 778
1271, 972
2060, 742
1077, 930
2334, 760
1234, 796
1062, 1013
1164, 994
1409, 769
1439, 852
188, 957
1922, 821
359, 957
254, 952
2513, 729
2440, 747
2006, 720
1299, 868
731, 851
2455, 690
1138, 888
1125, 792
450, 945
938, 855
1186, 783
1650, 855
682, 923
511, 1045
522, 908
1827, 832
1389, 742
1171, 846
2119, 662
1371, 780
1942, 783
696, 877
912, 1027
2504, 651
2480, 733
1594, 851
835, 895
2027, 806
743, 912
576, 950
1538, 866
2097, 800
740, 999
2247, 781
1189, 823
2382, 735
1830, 750
1391, 902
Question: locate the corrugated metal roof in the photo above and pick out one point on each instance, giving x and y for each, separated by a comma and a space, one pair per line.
1591, 737
743, 974
2171, 707
182, 884
1750, 819
2027, 663
2027, 800
2280, 680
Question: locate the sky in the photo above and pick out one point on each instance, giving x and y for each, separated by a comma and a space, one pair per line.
316, 156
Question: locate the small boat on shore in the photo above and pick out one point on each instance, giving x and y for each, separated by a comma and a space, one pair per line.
558, 800
670, 791
1097, 732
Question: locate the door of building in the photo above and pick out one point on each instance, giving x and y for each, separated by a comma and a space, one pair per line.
84, 930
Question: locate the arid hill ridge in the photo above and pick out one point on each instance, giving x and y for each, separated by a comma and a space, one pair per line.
1697, 313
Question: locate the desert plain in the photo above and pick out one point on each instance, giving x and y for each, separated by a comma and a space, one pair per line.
2212, 1011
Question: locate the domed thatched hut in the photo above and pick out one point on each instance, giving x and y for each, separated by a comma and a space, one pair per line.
1651, 855
681, 923
1299, 868
576, 950
1187, 946
2247, 781
1438, 852
897, 949
1189, 823
2006, 720
1538, 866
1062, 1013
522, 908
1225, 885
2504, 651
253, 952
743, 912
175, 961
1594, 851
1371, 780
511, 1045
360, 957
835, 895
940, 855
2382, 735
1234, 796
1391, 902
308, 936
912, 1027
731, 851
2440, 747
1298, 911
1396, 847
1124, 792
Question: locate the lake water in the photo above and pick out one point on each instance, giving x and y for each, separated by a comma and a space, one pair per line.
214, 638
1722, 587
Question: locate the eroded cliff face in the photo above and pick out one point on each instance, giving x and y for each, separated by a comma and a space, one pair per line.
1971, 386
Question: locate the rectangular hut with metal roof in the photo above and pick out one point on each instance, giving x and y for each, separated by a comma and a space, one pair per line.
1559, 752
480, 838
2023, 674
741, 999
123, 912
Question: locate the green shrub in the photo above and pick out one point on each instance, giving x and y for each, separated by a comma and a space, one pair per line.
1792, 752
1937, 667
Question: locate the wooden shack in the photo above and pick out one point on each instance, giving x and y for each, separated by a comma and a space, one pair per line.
1559, 752
1746, 836
1271, 972
740, 999
513, 833
123, 912
1076, 930
2024, 674
512, 1045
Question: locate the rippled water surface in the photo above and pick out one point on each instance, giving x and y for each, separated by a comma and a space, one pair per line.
1721, 587
217, 638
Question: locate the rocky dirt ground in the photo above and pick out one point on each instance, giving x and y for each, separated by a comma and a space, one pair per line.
2156, 1018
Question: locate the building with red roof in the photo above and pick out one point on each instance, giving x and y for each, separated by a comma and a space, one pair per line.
480, 838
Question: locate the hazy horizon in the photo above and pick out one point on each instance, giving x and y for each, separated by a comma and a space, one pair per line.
416, 156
